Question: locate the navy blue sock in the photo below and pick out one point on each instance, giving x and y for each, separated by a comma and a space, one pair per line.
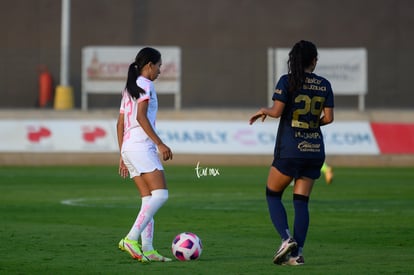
301, 223
277, 213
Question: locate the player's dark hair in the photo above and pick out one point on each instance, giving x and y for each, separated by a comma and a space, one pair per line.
144, 56
300, 57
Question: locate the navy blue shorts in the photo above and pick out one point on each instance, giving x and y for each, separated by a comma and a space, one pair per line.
296, 168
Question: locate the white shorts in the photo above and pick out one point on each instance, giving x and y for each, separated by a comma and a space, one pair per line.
139, 162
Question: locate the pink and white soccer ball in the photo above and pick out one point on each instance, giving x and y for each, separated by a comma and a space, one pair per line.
186, 246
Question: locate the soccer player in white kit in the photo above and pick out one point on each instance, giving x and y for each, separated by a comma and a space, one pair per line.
138, 143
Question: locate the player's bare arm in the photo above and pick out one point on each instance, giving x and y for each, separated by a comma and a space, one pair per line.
275, 111
122, 169
120, 130
328, 116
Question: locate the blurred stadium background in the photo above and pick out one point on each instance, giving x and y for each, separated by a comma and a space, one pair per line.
224, 63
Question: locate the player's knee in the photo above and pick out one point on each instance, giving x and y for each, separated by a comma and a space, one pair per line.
298, 197
160, 194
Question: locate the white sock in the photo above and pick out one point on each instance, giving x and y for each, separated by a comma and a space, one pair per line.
147, 212
148, 234
133, 232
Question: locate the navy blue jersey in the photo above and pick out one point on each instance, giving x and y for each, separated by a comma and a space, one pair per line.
299, 134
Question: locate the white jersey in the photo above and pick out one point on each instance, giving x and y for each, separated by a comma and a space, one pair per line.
135, 138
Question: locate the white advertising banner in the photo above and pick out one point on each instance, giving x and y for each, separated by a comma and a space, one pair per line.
345, 68
105, 70
58, 136
185, 137
219, 137
350, 138
238, 137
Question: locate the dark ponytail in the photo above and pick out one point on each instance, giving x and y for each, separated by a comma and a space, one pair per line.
131, 84
144, 56
300, 57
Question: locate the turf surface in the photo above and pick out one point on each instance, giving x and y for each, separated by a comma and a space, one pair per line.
68, 220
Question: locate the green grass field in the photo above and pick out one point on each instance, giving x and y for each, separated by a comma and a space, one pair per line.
68, 220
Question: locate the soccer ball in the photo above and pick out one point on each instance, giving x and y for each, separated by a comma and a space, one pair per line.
186, 247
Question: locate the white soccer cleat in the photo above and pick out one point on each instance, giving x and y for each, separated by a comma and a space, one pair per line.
285, 248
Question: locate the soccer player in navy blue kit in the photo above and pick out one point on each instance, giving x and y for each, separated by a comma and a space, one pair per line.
303, 101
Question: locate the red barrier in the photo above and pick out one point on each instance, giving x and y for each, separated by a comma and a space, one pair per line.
394, 138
